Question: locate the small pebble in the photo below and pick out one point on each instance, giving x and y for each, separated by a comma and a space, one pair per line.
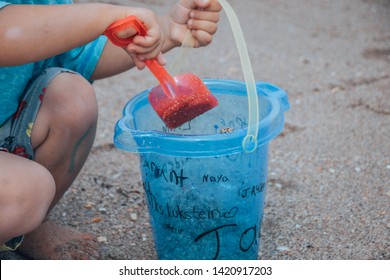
282, 248
133, 216
102, 239
116, 176
96, 219
358, 169
334, 90
88, 206
279, 186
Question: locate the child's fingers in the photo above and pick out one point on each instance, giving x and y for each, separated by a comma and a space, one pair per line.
211, 5
204, 15
202, 38
202, 25
138, 62
126, 33
146, 41
149, 52
143, 53
145, 45
161, 59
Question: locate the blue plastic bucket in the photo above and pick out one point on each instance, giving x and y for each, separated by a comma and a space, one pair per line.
205, 193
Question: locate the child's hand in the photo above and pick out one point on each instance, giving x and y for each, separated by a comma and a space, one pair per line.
148, 46
200, 16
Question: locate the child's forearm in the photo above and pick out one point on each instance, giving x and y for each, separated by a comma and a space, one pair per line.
30, 33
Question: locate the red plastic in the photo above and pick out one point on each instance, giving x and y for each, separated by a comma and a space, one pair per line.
192, 100
119, 25
176, 100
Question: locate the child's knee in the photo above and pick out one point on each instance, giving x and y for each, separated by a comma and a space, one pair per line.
74, 99
69, 108
26, 199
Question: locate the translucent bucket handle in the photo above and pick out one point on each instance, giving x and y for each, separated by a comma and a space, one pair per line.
249, 142
184, 52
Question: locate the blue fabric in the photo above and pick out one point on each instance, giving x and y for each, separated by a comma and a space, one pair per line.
37, 2
15, 79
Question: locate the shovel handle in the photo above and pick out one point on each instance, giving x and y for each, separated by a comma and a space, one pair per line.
119, 25
162, 75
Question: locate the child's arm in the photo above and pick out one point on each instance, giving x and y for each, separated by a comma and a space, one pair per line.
199, 16
29, 33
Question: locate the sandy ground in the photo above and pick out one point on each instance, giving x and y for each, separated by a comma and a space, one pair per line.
329, 171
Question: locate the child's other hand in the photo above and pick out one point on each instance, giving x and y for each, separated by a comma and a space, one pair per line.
200, 16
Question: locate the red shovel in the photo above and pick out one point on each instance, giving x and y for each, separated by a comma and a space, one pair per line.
177, 99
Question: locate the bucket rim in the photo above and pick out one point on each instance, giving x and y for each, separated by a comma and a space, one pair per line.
178, 144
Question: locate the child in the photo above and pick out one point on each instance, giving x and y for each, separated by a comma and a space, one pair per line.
49, 54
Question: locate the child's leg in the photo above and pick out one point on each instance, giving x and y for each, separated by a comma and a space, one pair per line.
61, 137
26, 192
65, 128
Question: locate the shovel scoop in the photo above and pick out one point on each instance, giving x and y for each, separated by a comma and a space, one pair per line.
176, 100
